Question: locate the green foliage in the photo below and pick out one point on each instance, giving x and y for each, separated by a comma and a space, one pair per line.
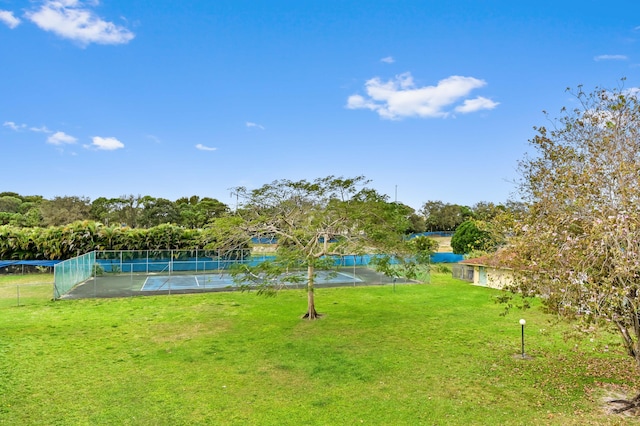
157, 211
441, 216
226, 236
313, 220
423, 247
98, 270
191, 212
469, 237
440, 268
475, 253
578, 242
385, 265
64, 210
408, 263
64, 242
10, 204
16, 210
271, 276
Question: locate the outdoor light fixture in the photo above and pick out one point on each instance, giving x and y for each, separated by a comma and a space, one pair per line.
522, 323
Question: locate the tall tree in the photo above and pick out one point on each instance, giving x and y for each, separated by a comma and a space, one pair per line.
470, 237
444, 217
10, 204
578, 243
416, 222
315, 220
485, 210
127, 209
156, 211
196, 212
64, 210
101, 210
20, 211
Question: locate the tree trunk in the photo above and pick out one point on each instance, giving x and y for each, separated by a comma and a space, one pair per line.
311, 306
627, 404
631, 346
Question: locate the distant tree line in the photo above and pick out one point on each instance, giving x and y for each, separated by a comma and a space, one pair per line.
32, 227
195, 212
127, 210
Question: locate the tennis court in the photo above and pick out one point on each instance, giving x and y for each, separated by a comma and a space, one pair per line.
225, 281
127, 285
137, 273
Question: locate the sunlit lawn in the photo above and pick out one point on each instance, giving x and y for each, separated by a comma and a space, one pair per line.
433, 354
16, 290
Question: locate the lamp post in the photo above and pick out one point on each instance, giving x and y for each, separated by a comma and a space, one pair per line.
522, 323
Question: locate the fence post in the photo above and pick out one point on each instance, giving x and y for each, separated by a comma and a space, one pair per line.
354, 270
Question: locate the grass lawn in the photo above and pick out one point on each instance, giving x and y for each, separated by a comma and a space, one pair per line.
436, 354
25, 289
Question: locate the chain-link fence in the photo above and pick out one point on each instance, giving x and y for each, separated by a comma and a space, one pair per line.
145, 272
25, 294
462, 272
72, 272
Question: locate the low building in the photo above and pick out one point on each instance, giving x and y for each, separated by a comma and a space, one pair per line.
487, 271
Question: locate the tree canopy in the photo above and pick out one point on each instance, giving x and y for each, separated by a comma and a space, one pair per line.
195, 212
441, 216
313, 220
126, 210
578, 243
470, 237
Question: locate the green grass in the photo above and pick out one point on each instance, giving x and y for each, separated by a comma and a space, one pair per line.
26, 279
437, 354
17, 290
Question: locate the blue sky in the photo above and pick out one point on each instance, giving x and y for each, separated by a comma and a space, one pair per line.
431, 100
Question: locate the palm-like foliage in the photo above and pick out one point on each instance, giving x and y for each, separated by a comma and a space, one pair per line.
63, 242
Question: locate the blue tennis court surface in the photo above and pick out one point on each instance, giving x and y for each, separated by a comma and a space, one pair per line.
212, 281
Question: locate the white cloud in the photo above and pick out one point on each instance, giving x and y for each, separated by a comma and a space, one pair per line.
154, 138
106, 144
8, 19
205, 148
14, 126
72, 20
477, 104
42, 129
19, 127
61, 138
258, 126
388, 60
610, 58
632, 91
400, 97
